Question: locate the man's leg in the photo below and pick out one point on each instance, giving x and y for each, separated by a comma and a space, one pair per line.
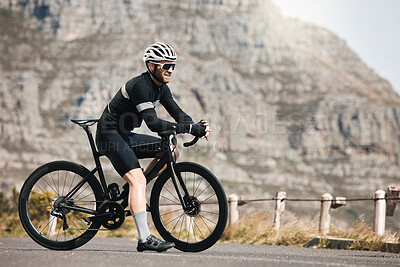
137, 205
137, 201
154, 161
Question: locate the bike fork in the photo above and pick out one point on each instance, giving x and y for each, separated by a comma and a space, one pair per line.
174, 175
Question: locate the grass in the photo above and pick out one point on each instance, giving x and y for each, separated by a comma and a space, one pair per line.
365, 238
257, 229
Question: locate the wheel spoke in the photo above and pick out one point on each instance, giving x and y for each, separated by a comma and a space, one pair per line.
207, 198
180, 217
70, 220
50, 185
79, 218
72, 182
188, 231
58, 233
171, 201
45, 195
198, 229
194, 193
58, 180
172, 220
56, 191
185, 179
42, 218
180, 231
45, 227
65, 179
216, 213
51, 223
205, 223
194, 233
207, 219
194, 178
43, 205
171, 194
203, 191
80, 199
169, 212
82, 190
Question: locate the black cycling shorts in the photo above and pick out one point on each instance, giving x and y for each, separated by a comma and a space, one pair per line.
124, 150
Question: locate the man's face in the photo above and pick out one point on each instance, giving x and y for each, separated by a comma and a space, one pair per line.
162, 75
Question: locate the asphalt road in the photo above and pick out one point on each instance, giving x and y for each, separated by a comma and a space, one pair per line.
122, 252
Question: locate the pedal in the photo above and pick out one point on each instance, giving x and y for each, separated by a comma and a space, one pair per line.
128, 213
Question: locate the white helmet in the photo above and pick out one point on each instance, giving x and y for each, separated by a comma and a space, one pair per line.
159, 52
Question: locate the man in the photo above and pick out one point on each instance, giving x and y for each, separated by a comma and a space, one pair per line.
135, 102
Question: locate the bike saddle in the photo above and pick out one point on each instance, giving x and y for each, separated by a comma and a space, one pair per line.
88, 122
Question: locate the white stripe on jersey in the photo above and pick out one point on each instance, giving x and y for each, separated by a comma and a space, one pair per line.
143, 106
124, 92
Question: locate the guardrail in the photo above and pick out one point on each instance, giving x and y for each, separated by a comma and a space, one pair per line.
384, 205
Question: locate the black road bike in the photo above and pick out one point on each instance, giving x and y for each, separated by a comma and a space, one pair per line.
62, 205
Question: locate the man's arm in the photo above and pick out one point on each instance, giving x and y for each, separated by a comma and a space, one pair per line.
156, 124
174, 110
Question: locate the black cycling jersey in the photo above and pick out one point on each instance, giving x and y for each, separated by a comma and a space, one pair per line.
135, 101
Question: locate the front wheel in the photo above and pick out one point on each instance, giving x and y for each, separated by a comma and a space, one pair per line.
40, 200
202, 224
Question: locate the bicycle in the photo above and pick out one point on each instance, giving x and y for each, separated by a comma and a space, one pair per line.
62, 205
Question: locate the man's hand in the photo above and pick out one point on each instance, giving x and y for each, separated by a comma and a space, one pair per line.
200, 129
208, 130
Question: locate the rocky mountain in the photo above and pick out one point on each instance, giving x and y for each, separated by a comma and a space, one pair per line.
291, 106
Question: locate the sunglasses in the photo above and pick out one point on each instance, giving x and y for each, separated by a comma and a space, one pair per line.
167, 66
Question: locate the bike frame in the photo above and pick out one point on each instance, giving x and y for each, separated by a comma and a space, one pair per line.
166, 159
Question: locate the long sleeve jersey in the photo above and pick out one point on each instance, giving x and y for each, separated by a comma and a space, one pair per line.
135, 102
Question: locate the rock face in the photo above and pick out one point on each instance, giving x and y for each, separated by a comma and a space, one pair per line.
291, 106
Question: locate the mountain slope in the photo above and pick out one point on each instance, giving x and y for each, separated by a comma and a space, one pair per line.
291, 106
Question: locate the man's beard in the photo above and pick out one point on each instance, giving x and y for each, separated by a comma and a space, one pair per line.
159, 77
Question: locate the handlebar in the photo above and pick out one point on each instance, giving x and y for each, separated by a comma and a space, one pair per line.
191, 143
166, 134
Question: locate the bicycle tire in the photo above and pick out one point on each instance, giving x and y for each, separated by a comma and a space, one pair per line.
211, 208
40, 191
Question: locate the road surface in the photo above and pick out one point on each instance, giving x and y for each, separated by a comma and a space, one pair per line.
112, 252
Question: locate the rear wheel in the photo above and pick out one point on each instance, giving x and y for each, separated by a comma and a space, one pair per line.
203, 222
42, 196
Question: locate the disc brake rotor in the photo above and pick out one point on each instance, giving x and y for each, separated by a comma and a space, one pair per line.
193, 206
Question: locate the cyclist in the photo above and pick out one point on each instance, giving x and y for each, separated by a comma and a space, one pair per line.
135, 102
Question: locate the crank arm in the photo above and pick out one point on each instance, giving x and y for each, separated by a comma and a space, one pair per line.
100, 217
129, 213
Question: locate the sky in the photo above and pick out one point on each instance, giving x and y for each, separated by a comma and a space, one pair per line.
371, 28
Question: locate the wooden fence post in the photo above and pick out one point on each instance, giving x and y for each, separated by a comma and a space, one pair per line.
233, 212
279, 209
392, 192
325, 216
380, 212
